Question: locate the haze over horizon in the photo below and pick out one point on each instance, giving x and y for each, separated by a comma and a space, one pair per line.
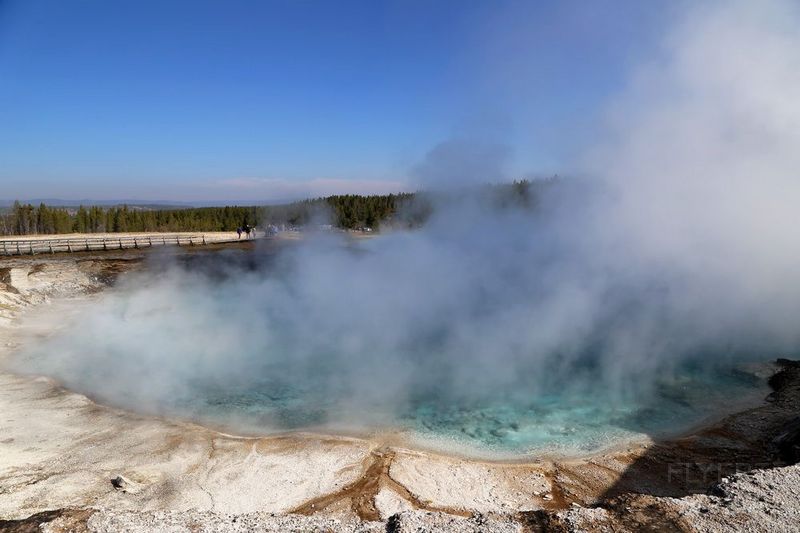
266, 101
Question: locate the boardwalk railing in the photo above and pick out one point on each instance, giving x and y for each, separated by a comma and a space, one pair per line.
107, 242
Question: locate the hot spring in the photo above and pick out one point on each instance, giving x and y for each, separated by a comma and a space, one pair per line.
312, 338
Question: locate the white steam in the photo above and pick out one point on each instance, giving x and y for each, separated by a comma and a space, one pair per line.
704, 167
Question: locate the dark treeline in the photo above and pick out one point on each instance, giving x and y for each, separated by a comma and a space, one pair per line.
343, 211
349, 211
25, 219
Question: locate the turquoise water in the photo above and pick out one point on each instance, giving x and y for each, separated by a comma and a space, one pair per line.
499, 424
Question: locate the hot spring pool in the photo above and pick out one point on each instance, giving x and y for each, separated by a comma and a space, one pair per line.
260, 353
497, 423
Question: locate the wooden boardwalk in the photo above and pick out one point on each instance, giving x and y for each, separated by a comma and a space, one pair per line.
108, 241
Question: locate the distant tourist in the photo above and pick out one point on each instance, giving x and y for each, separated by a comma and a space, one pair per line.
239, 232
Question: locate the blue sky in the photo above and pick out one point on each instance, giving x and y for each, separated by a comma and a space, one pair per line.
255, 101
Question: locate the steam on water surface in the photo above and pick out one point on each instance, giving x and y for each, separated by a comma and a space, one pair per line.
230, 339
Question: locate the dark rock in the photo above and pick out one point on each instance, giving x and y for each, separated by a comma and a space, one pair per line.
120, 483
787, 443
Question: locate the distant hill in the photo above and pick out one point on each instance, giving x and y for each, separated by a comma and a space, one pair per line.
143, 204
57, 202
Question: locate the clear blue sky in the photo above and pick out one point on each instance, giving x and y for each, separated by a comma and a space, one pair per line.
234, 100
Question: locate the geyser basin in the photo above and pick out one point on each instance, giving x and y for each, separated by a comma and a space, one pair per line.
258, 344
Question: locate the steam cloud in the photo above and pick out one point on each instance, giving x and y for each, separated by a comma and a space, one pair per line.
680, 240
